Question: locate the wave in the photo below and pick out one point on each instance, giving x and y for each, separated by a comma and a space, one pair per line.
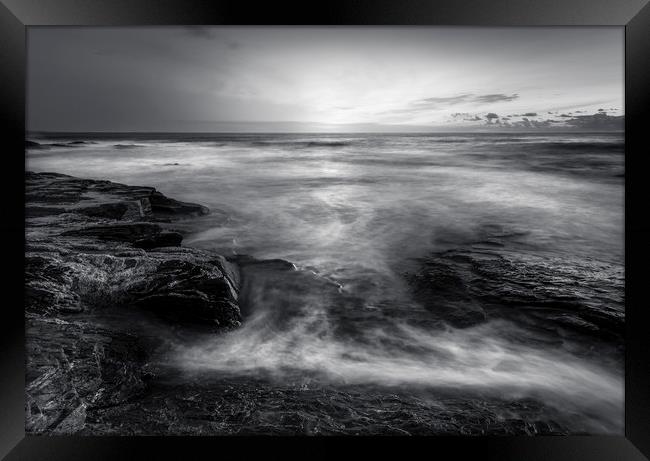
127, 146
602, 146
303, 144
299, 324
406, 359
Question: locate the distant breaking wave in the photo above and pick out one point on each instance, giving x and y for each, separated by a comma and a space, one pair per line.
303, 144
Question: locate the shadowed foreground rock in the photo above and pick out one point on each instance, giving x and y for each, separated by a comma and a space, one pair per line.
102, 260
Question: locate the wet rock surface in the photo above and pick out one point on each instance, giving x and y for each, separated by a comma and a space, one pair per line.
249, 406
496, 277
104, 269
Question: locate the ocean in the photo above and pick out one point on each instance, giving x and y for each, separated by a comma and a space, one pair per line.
445, 283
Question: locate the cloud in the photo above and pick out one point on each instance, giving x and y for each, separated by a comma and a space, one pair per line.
527, 124
527, 114
466, 98
500, 97
599, 121
448, 100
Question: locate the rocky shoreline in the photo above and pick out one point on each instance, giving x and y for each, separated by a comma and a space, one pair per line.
111, 293
102, 258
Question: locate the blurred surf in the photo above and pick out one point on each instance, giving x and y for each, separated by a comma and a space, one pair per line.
490, 265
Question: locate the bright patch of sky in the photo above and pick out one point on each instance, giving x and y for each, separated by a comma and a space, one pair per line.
320, 79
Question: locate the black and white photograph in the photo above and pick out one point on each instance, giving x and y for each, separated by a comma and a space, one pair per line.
311, 230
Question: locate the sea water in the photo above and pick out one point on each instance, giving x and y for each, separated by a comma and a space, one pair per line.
342, 345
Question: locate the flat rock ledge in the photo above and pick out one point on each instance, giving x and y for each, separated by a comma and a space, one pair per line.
95, 249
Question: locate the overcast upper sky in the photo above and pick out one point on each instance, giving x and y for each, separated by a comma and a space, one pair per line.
324, 78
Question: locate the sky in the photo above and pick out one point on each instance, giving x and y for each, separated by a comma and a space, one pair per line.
324, 79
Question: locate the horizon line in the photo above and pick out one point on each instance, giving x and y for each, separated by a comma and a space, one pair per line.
329, 132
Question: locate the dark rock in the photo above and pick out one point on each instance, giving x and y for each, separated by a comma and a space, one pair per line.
105, 199
188, 286
127, 232
105, 210
74, 367
443, 291
165, 206
49, 285
94, 262
141, 235
36, 211
165, 281
161, 239
267, 264
476, 281
80, 259
34, 145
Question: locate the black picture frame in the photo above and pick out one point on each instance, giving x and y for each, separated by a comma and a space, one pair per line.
634, 15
